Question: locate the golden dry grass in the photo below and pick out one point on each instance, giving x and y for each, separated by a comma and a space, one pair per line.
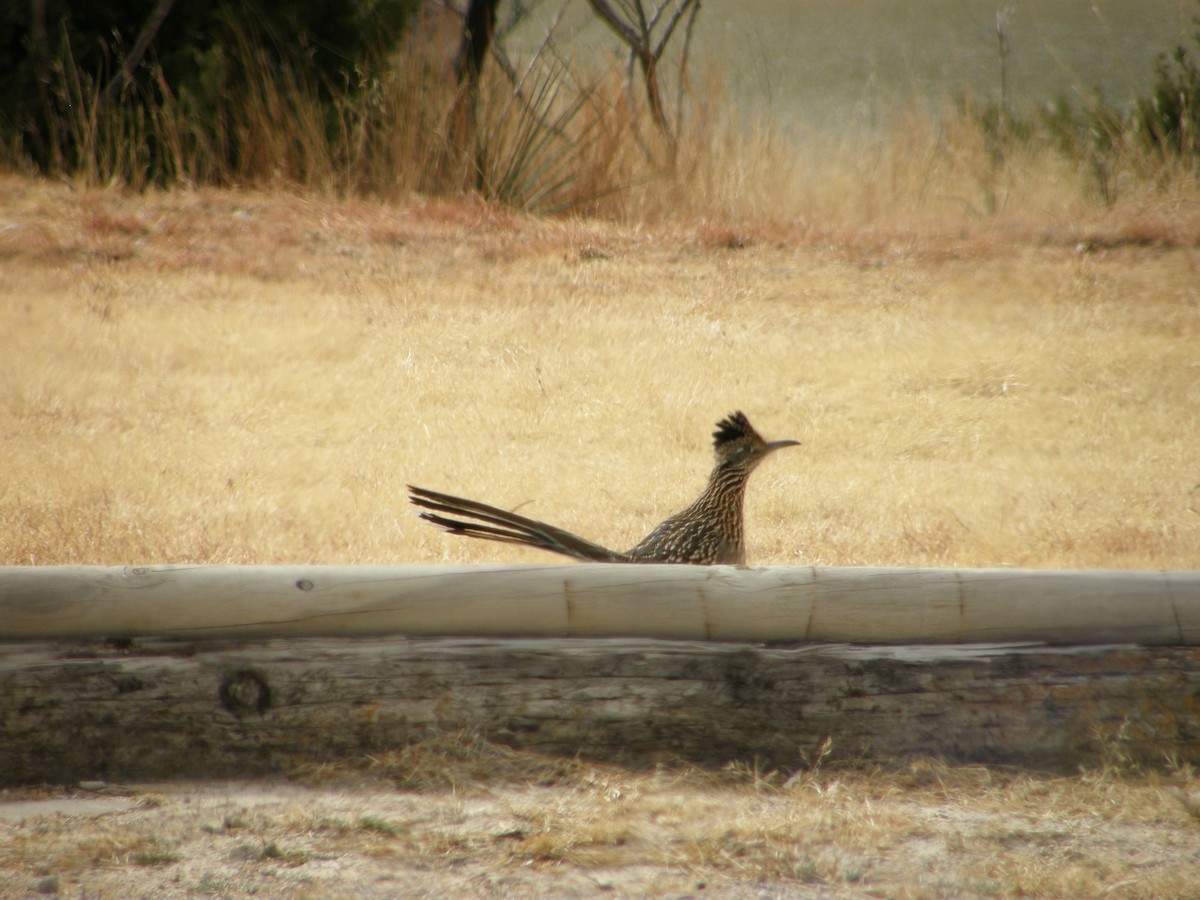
248, 377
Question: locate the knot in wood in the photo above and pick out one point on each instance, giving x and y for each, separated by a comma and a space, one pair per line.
746, 679
244, 691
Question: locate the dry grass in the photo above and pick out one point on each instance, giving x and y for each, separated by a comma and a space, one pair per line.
246, 377
487, 821
251, 377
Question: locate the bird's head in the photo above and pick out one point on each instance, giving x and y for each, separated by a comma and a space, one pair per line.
736, 443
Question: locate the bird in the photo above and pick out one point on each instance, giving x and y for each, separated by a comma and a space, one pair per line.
708, 532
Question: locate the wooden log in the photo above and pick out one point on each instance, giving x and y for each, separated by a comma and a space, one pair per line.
892, 606
168, 709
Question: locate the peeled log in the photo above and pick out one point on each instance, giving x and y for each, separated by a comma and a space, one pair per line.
719, 603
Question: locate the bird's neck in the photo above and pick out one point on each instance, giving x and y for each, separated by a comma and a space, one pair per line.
725, 494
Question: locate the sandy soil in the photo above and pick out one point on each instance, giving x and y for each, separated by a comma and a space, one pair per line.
653, 835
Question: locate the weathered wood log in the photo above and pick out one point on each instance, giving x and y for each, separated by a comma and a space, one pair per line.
898, 606
151, 710
137, 708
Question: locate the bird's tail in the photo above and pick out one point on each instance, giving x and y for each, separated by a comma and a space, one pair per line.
493, 524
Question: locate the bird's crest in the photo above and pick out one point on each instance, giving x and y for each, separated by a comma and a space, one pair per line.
733, 427
735, 435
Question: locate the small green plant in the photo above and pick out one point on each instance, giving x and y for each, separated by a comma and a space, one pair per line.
154, 858
1095, 137
379, 826
272, 851
1170, 116
1106, 139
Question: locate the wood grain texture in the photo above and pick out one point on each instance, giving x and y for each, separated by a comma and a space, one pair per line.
167, 709
720, 603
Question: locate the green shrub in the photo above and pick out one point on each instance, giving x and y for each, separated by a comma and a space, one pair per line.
1170, 116
64, 106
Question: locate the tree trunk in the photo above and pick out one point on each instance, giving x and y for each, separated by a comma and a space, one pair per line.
479, 24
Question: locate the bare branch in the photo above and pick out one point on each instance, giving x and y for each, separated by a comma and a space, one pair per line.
134, 59
679, 13
662, 7
683, 61
628, 20
623, 29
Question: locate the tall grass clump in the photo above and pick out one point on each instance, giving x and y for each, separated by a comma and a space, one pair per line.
206, 93
550, 138
550, 142
1151, 142
261, 115
261, 124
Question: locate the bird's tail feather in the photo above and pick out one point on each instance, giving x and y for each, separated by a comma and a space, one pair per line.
494, 524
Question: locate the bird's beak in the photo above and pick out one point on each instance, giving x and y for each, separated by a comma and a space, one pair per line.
777, 445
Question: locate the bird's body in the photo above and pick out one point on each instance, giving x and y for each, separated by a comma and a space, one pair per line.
709, 532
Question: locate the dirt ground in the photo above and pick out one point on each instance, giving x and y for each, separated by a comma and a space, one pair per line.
926, 831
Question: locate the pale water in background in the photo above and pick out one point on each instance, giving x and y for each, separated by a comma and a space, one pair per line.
841, 65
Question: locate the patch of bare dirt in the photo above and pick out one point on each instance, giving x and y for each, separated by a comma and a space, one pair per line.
606, 831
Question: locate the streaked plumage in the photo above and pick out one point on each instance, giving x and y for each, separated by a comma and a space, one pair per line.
709, 532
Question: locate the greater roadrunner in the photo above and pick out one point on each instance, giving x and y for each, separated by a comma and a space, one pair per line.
709, 532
